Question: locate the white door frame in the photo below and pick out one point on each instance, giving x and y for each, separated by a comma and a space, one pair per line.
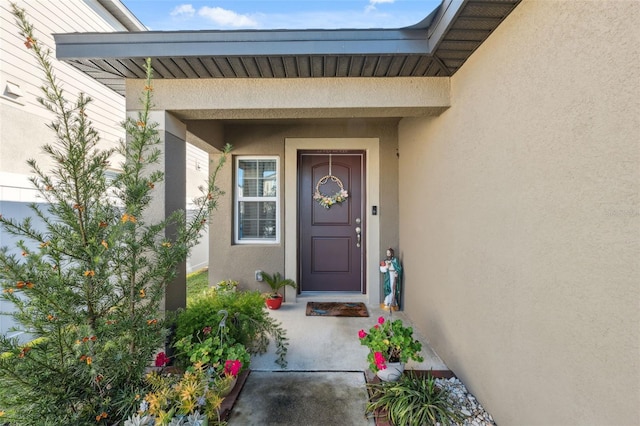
372, 184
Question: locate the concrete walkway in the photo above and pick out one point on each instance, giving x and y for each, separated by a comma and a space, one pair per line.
325, 372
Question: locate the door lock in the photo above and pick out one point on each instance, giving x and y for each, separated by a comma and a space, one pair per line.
358, 232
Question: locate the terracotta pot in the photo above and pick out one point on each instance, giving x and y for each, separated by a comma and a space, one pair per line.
392, 373
273, 302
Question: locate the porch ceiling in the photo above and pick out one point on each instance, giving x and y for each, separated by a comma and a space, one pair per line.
437, 46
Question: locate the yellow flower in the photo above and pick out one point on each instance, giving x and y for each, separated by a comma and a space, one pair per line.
89, 273
166, 244
142, 293
105, 244
89, 360
2, 413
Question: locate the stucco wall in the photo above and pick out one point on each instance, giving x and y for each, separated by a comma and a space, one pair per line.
520, 217
239, 262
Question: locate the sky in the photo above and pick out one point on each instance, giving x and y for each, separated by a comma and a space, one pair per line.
169, 15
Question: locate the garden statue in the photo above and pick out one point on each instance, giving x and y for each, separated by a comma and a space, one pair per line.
392, 271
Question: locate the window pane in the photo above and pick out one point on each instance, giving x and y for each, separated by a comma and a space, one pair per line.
247, 174
249, 167
256, 178
267, 210
257, 220
268, 178
268, 229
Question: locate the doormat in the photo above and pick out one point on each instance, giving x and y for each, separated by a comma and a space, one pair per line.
336, 309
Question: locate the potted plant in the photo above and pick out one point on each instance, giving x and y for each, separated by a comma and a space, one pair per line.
391, 345
227, 285
276, 282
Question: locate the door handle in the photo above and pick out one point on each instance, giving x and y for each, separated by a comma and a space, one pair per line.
358, 232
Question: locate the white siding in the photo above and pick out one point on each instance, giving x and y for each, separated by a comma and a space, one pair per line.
23, 121
18, 66
197, 173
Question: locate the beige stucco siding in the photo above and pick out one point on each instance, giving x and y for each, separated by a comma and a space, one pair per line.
239, 262
519, 217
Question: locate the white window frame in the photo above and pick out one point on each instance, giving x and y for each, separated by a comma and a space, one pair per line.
237, 199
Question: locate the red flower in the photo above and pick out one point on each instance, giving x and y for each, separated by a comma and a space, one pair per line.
161, 359
381, 320
380, 361
232, 367
206, 330
362, 334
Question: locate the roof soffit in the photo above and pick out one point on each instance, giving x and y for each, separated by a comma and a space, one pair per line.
435, 47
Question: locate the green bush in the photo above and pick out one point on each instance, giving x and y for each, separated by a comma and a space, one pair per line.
88, 284
413, 401
211, 347
248, 322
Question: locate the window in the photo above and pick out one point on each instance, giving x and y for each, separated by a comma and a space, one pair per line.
257, 218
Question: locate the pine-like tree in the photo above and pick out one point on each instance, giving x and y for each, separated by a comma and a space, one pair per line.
89, 283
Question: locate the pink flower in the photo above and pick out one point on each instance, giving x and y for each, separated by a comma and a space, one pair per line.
161, 359
379, 360
362, 334
232, 367
376, 326
381, 320
206, 330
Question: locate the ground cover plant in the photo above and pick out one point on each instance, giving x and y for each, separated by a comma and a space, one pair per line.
413, 400
87, 281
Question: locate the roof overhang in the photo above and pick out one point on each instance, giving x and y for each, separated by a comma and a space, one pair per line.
435, 47
123, 15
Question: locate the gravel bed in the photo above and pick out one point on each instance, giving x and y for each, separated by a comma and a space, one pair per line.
466, 402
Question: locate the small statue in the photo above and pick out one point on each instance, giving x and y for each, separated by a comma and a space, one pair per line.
392, 271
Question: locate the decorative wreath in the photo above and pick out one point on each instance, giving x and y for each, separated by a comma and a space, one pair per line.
327, 201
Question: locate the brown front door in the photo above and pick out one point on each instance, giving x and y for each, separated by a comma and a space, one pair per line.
331, 240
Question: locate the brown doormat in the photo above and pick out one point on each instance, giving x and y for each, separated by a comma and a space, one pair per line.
337, 309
